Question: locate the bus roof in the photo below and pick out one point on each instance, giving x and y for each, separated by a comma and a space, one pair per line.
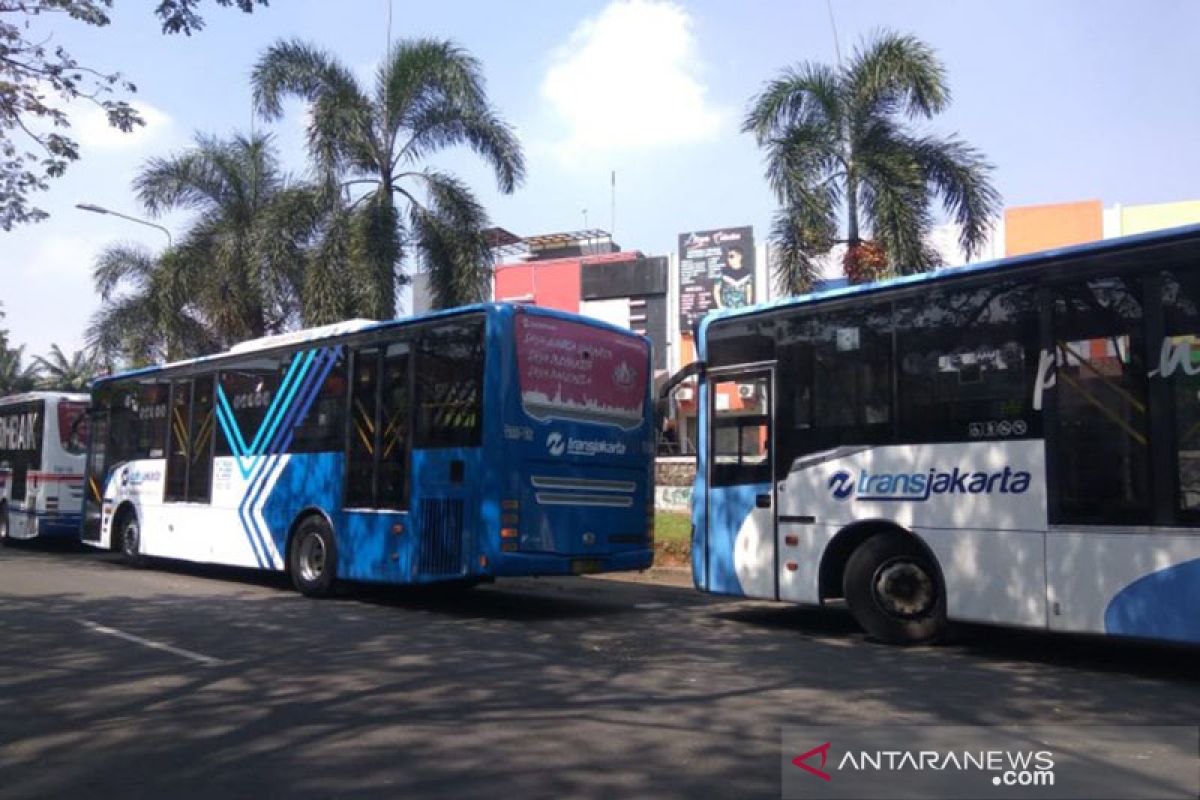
348, 327
1183, 234
25, 397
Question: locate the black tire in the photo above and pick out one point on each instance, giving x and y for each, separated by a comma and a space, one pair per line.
5, 539
129, 539
894, 590
312, 558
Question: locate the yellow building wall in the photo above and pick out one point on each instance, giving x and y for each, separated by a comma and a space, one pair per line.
1141, 219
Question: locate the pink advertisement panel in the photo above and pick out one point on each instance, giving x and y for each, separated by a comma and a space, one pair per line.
569, 370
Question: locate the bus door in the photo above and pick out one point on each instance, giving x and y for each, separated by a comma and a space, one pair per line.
95, 473
741, 553
448, 463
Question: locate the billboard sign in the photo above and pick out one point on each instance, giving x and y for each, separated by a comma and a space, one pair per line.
716, 271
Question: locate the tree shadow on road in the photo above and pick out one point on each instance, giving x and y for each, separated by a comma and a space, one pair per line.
532, 688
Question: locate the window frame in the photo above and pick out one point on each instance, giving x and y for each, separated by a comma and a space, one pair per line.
722, 475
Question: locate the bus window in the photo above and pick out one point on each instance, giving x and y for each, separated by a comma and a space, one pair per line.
966, 364
73, 426
189, 457
1179, 364
852, 376
394, 413
364, 426
741, 430
450, 386
201, 437
1103, 464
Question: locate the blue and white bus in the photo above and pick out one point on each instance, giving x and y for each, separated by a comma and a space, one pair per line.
485, 441
1014, 443
43, 437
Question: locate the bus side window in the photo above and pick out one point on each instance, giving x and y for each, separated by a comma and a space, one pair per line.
966, 364
1177, 360
1101, 435
364, 427
852, 376
449, 390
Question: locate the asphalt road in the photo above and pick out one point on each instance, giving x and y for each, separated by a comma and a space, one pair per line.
183, 681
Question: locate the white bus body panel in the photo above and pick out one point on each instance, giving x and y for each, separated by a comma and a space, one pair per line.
207, 532
990, 542
1088, 568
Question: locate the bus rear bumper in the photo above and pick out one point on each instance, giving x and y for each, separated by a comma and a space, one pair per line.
519, 564
41, 525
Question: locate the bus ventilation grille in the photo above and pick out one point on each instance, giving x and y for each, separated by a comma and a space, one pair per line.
441, 537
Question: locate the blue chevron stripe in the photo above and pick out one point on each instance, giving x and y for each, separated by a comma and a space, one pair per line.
282, 397
248, 456
293, 413
233, 434
255, 470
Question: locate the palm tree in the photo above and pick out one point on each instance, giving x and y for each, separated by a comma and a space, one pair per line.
14, 376
242, 261
428, 96
63, 374
146, 315
842, 139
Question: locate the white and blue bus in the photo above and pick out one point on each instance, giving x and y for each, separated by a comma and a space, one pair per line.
486, 441
43, 437
1013, 443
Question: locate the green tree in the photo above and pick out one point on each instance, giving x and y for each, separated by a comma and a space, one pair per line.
38, 80
146, 315
63, 374
842, 141
368, 145
16, 376
242, 262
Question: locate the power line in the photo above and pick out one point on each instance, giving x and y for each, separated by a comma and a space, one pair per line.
837, 48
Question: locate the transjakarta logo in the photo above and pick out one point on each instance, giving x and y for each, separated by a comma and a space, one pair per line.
918, 487
557, 444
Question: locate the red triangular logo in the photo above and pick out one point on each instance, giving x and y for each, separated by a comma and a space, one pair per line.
800, 759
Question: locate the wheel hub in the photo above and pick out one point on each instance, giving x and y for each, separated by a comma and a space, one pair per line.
312, 558
904, 589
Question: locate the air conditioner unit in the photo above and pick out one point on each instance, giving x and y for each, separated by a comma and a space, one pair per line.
746, 390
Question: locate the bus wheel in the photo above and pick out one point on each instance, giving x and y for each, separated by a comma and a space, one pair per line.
893, 591
130, 533
312, 559
4, 537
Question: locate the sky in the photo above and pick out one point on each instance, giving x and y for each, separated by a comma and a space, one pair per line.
1070, 99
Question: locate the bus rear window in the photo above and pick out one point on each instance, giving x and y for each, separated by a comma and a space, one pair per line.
73, 427
575, 371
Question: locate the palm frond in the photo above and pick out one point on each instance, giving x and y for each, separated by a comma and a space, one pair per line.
809, 94
895, 72
119, 264
449, 234
962, 177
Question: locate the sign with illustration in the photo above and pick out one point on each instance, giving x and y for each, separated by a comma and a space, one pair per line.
716, 270
579, 372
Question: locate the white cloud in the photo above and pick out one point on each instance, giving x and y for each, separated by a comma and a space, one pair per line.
628, 79
90, 127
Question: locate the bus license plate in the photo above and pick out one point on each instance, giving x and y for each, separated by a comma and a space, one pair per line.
586, 566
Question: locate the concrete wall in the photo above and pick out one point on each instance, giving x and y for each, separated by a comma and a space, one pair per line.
1028, 229
1142, 219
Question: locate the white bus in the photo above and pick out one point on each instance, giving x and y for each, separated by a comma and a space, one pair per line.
43, 445
1014, 443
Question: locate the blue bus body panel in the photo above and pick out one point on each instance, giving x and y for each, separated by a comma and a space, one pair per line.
1162, 605
730, 507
